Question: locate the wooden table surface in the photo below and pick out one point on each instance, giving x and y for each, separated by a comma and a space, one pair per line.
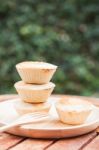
85, 142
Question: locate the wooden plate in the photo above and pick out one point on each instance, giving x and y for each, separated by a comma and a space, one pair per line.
49, 128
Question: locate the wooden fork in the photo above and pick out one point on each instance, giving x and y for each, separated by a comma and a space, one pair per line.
25, 119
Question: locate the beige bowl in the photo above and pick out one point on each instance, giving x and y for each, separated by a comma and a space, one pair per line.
23, 107
34, 93
36, 72
73, 111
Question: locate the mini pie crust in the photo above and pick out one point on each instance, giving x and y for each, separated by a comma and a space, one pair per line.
36, 72
34, 93
23, 107
73, 111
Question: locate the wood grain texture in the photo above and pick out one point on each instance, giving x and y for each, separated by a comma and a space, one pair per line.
7, 140
72, 143
33, 144
49, 128
7, 97
93, 145
94, 100
97, 130
11, 142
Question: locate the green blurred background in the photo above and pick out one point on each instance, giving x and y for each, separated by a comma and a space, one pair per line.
62, 32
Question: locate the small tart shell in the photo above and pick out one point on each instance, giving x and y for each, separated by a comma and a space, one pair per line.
34, 93
69, 114
23, 107
36, 72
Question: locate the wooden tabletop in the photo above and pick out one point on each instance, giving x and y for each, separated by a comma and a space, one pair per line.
85, 142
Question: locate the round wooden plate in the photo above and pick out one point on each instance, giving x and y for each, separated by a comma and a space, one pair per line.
49, 128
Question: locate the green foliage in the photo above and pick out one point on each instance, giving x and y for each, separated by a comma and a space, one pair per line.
65, 33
